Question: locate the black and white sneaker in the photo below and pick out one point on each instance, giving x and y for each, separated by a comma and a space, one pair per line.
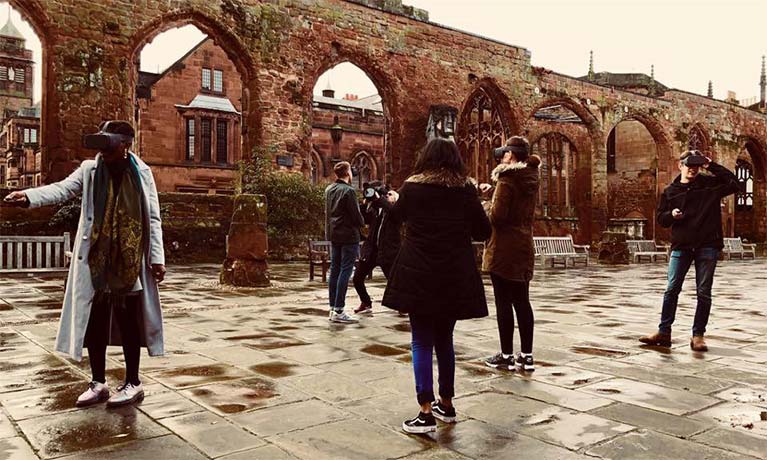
424, 423
441, 412
497, 361
525, 363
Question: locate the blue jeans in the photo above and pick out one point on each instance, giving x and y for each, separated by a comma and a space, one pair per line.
342, 258
705, 264
432, 333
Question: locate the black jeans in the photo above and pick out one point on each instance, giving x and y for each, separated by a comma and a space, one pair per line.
98, 332
511, 297
362, 270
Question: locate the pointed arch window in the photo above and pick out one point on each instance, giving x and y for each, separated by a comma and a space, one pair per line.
481, 130
744, 199
557, 175
363, 170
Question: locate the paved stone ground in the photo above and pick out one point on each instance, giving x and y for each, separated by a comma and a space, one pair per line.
263, 375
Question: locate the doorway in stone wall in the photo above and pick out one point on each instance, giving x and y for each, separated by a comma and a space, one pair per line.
189, 99
348, 124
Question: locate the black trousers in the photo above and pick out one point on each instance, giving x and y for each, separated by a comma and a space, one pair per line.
97, 337
362, 270
511, 297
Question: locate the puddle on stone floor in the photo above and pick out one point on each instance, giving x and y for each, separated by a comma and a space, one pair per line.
309, 311
283, 328
401, 327
611, 391
197, 371
656, 348
238, 396
599, 352
381, 350
615, 324
477, 370
91, 433
274, 369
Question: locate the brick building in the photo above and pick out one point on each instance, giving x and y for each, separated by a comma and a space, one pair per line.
189, 122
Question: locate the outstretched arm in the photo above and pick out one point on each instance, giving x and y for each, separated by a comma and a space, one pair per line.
57, 192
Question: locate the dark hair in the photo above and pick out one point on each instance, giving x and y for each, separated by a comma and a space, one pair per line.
341, 169
438, 154
521, 148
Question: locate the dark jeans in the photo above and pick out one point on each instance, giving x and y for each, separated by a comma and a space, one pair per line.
705, 264
363, 270
432, 333
98, 332
511, 297
342, 257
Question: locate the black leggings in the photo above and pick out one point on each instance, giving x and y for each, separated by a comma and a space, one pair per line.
362, 270
514, 294
97, 338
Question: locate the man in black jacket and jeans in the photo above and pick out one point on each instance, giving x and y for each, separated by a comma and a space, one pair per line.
343, 221
691, 207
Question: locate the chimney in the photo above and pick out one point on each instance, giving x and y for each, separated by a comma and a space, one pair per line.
351, 97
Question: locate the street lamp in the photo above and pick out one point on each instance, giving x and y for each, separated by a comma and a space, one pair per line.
336, 133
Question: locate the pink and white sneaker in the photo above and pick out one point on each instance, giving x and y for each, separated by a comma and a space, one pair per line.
97, 392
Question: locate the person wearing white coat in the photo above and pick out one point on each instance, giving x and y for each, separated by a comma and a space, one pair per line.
127, 314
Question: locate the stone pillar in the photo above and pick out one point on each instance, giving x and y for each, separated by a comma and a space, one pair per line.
247, 245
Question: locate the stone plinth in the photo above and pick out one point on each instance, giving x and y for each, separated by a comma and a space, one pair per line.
613, 249
247, 244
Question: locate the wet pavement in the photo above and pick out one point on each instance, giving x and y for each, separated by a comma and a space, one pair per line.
261, 374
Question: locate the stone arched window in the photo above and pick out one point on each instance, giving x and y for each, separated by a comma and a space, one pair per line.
481, 130
557, 180
363, 168
316, 170
744, 199
697, 140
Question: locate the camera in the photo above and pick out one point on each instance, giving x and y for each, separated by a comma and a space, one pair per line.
370, 190
104, 140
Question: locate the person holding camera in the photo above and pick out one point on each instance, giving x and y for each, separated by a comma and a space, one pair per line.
691, 207
382, 242
118, 259
509, 254
343, 221
434, 277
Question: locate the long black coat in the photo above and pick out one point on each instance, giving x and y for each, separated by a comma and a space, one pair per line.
435, 271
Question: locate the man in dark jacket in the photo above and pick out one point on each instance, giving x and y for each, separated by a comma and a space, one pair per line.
691, 207
343, 221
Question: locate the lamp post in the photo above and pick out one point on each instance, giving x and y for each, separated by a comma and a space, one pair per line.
336, 133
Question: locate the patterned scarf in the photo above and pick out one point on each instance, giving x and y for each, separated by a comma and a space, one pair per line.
118, 236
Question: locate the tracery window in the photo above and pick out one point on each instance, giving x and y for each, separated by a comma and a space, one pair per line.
363, 170
744, 199
697, 140
557, 175
481, 130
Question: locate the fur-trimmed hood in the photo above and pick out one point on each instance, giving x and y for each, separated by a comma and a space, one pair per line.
441, 177
533, 161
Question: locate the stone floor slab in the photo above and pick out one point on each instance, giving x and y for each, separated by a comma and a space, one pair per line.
268, 452
289, 417
212, 434
654, 397
16, 449
734, 441
168, 447
238, 396
646, 445
741, 417
6, 427
572, 399
673, 425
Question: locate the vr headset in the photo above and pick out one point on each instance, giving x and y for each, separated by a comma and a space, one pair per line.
105, 140
501, 151
694, 158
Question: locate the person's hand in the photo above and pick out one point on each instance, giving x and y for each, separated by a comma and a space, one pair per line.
158, 272
392, 196
677, 214
707, 163
18, 199
484, 190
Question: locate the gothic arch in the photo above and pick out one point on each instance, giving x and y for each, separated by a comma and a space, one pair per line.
699, 139
749, 213
592, 124
365, 166
485, 122
316, 166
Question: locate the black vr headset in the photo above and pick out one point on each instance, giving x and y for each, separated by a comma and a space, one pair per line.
111, 134
694, 158
501, 151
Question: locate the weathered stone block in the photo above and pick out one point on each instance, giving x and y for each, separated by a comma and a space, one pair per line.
245, 273
613, 249
249, 209
247, 241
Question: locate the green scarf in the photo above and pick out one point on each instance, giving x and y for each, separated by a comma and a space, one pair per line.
118, 236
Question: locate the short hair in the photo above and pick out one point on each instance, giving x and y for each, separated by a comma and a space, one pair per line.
687, 153
341, 169
440, 154
521, 147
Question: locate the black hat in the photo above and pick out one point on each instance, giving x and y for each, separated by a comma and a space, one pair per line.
693, 158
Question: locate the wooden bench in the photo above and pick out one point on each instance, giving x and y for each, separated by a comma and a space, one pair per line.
735, 247
319, 255
34, 254
559, 250
646, 249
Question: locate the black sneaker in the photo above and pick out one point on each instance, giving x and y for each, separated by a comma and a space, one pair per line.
424, 423
441, 412
525, 363
497, 361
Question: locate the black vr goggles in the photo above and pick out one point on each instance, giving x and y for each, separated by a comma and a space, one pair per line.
111, 134
694, 158
501, 151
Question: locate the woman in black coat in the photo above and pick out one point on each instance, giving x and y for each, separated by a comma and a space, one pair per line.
435, 277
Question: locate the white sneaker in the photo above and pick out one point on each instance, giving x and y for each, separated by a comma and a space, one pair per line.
127, 394
342, 318
97, 392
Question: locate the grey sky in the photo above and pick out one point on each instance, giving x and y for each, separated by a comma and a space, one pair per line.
688, 41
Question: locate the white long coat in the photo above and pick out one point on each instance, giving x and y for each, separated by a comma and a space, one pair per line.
79, 291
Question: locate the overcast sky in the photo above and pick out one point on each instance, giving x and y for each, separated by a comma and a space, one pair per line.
689, 41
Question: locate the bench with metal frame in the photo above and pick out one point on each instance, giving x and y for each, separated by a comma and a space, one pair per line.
34, 254
647, 249
560, 250
736, 248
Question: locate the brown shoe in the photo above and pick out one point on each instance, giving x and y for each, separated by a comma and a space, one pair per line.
659, 339
698, 343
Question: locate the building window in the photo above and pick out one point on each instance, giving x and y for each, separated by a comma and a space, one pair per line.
218, 81
19, 75
611, 152
744, 199
33, 136
190, 139
205, 137
3, 72
26, 135
205, 78
557, 175
222, 141
482, 128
